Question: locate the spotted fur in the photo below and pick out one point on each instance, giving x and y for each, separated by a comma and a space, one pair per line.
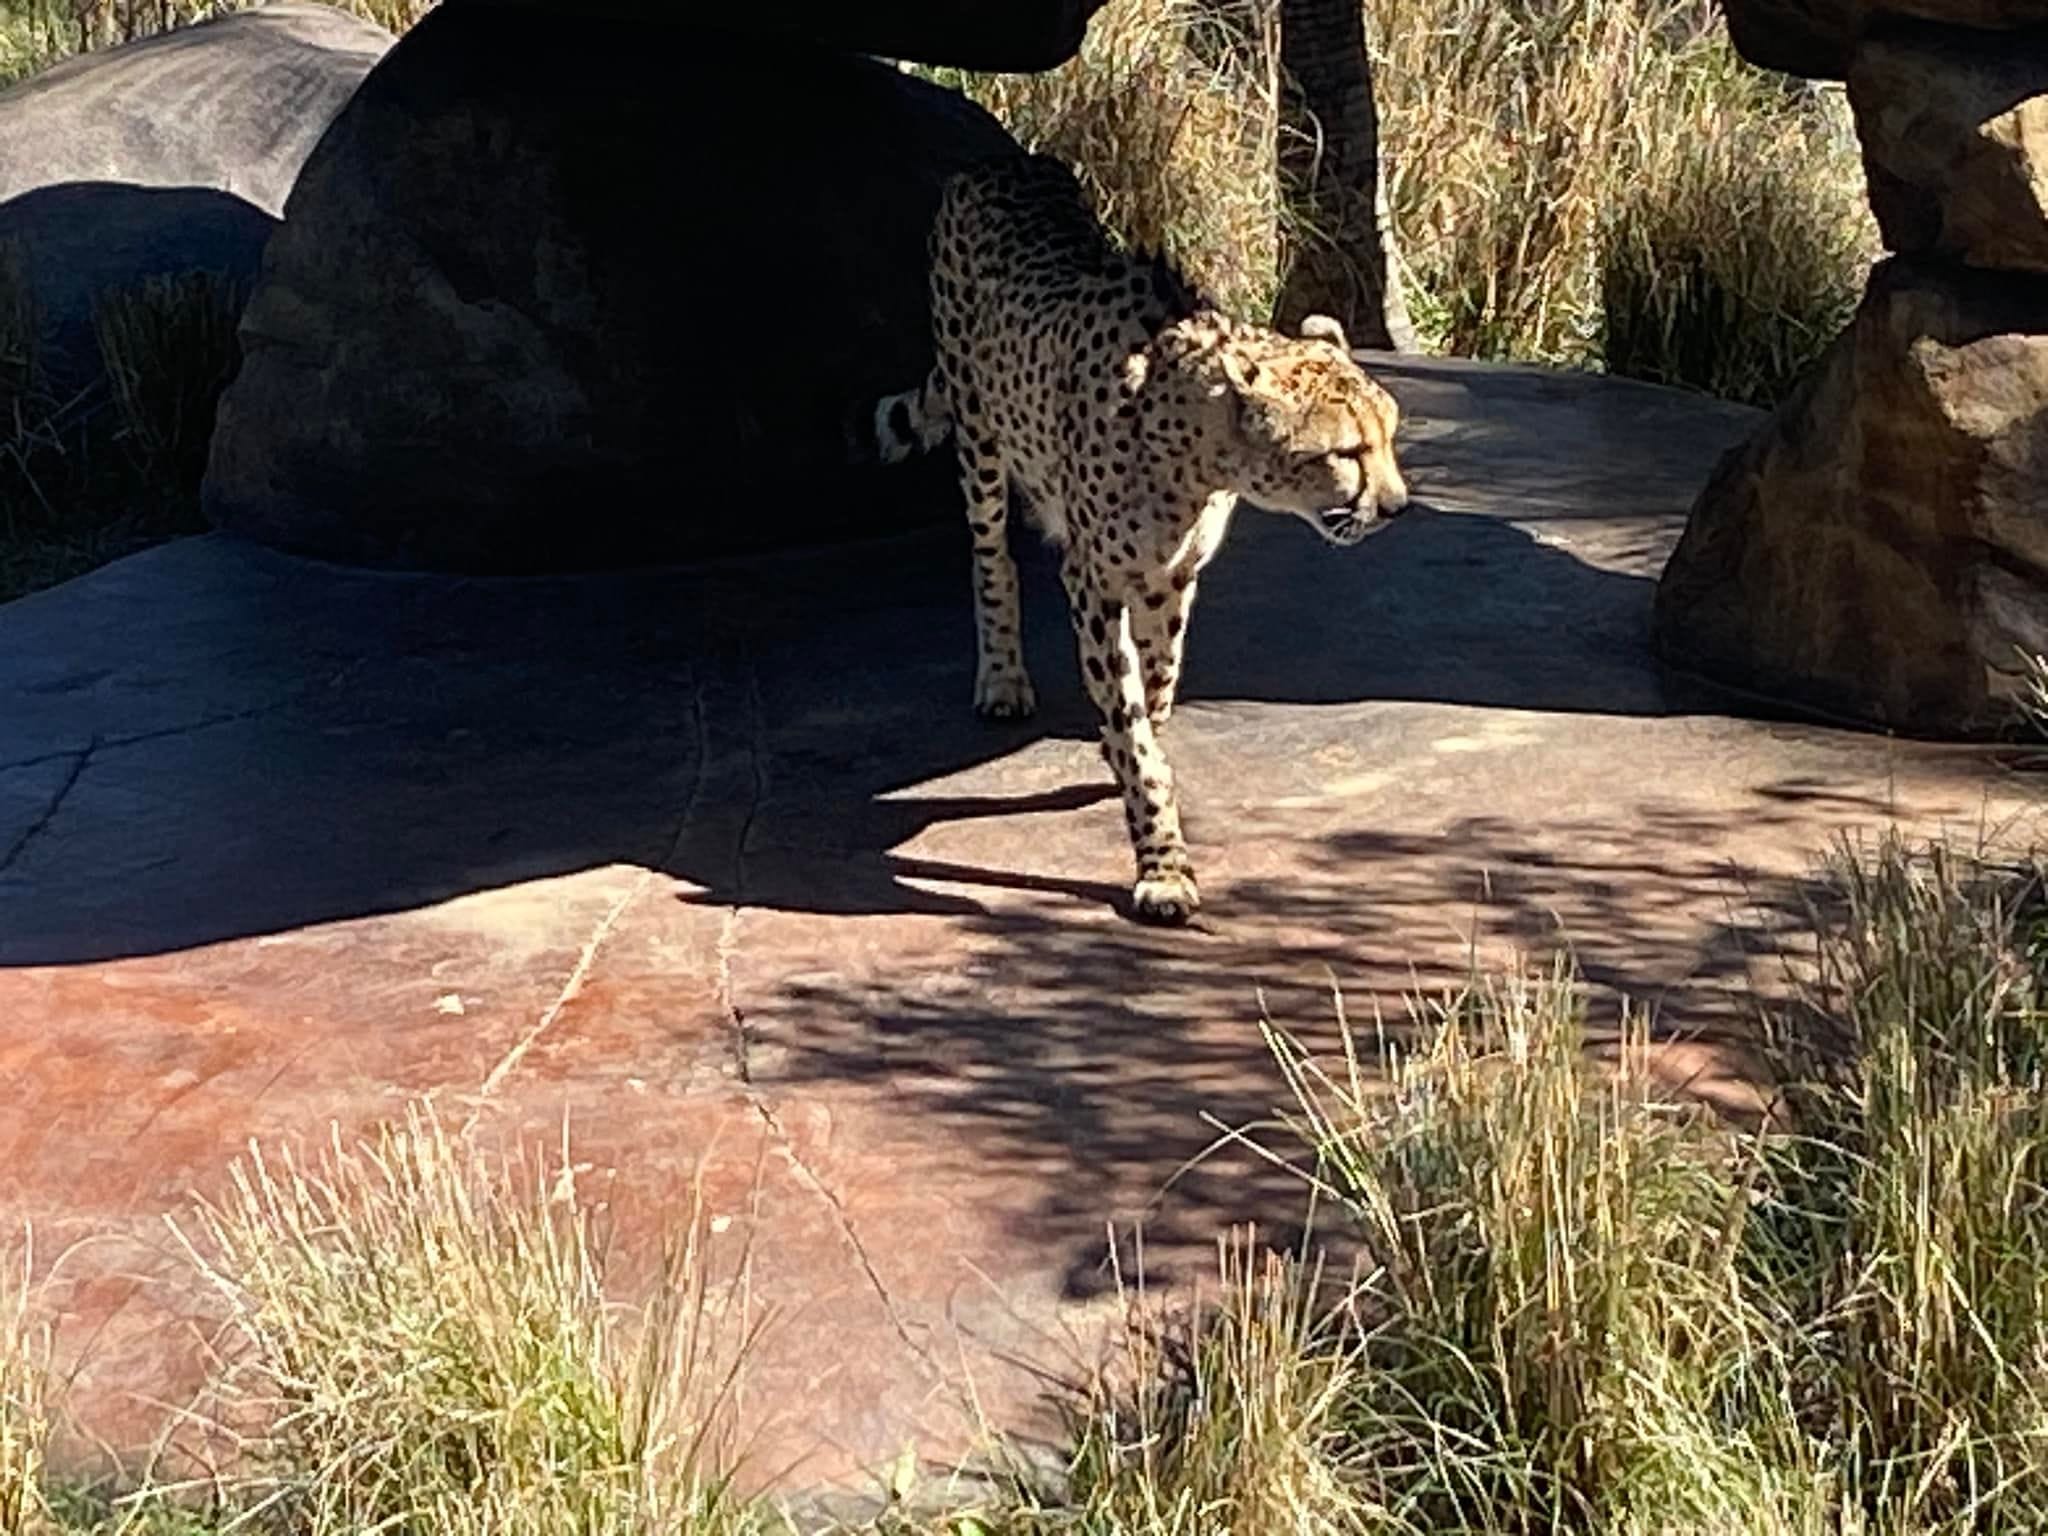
1132, 415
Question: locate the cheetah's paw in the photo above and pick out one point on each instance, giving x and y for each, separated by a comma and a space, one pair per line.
1168, 898
1004, 696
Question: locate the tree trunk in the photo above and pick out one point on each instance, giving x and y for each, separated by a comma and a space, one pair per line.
1341, 245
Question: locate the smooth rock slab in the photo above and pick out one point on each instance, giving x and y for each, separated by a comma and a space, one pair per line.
234, 104
717, 864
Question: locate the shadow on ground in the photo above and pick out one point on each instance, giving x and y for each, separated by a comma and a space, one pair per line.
211, 742
1095, 1058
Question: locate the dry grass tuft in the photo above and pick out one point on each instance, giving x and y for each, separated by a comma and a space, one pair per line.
427, 1340
169, 350
24, 1400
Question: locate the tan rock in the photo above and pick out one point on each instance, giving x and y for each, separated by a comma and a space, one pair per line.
1955, 142
1880, 549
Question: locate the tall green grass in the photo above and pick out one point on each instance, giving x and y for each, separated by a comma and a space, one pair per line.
1555, 1337
421, 1338
427, 1340
1909, 1210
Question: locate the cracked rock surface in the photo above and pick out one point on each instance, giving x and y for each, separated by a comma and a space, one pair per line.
717, 863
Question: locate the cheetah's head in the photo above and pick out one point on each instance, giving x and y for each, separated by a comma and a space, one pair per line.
1303, 428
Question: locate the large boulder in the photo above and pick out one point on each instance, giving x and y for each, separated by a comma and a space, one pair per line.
1880, 550
168, 155
552, 298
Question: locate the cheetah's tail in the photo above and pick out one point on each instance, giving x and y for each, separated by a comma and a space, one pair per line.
914, 421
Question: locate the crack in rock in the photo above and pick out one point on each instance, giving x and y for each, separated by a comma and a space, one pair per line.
809, 1179
577, 975
35, 828
587, 959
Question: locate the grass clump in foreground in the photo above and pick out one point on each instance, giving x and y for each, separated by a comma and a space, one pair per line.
1909, 1209
1598, 183
1543, 1329
1581, 1307
429, 1347
419, 1340
24, 1404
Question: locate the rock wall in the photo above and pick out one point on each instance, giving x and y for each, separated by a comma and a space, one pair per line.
1880, 549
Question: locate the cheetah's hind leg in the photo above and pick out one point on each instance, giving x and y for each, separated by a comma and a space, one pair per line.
1002, 686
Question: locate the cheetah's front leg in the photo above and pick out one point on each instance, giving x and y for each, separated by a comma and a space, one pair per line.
1159, 626
1165, 889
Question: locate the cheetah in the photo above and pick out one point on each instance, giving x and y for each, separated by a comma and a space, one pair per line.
1131, 415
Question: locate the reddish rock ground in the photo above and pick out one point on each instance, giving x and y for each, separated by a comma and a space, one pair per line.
718, 865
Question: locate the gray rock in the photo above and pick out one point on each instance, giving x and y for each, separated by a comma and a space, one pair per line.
1880, 548
235, 104
171, 154
553, 298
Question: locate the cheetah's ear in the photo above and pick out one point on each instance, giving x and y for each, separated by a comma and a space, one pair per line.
1324, 328
1241, 371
